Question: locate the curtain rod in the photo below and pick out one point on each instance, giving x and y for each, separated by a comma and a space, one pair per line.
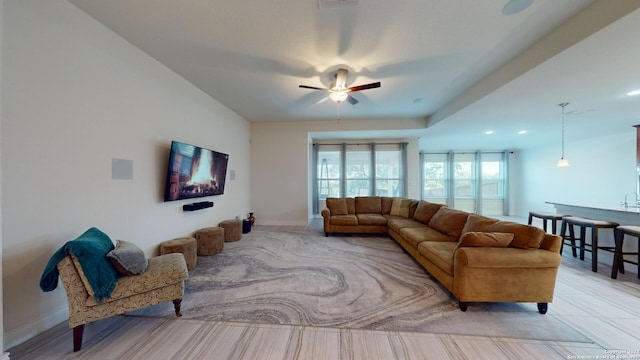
369, 143
468, 152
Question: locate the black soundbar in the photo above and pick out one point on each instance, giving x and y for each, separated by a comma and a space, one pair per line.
197, 206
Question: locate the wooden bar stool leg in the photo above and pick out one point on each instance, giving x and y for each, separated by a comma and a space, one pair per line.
572, 236
621, 263
618, 237
639, 258
544, 225
583, 240
530, 219
594, 248
563, 227
553, 226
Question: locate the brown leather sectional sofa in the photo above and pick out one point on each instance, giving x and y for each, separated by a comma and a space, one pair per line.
477, 258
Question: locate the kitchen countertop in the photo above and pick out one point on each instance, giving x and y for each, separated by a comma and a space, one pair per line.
619, 208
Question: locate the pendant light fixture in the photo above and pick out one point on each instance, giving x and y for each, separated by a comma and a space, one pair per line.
563, 162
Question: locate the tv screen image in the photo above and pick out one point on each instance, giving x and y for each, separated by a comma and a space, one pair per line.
194, 172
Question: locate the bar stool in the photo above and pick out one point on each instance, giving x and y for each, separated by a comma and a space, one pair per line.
618, 259
585, 223
545, 216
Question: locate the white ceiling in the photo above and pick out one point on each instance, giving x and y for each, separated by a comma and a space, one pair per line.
459, 56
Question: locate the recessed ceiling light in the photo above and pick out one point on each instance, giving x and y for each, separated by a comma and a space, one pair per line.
634, 92
489, 132
522, 132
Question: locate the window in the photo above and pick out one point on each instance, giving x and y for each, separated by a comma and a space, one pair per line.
358, 174
473, 182
359, 170
388, 171
329, 173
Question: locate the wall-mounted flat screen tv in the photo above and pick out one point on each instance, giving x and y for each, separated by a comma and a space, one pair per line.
194, 172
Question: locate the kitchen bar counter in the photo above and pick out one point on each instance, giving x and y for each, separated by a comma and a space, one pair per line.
620, 214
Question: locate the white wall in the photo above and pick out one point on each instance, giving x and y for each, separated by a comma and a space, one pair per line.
280, 161
602, 170
75, 96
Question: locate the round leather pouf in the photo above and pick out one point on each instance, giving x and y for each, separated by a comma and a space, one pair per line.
232, 230
210, 240
187, 246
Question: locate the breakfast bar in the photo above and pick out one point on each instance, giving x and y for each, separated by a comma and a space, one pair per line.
624, 215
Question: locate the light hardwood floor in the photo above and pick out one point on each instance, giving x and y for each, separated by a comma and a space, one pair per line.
604, 310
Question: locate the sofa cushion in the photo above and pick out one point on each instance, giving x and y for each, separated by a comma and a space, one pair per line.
412, 208
337, 206
524, 236
439, 253
351, 205
128, 258
343, 220
449, 221
385, 203
478, 223
416, 235
400, 207
485, 239
368, 205
425, 211
371, 219
397, 223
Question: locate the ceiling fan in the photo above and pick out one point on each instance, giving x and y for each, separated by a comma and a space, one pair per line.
339, 91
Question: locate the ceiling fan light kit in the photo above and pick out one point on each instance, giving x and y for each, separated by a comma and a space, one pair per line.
339, 92
338, 96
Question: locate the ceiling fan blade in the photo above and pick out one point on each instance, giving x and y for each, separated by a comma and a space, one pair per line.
341, 78
322, 100
352, 100
365, 87
310, 87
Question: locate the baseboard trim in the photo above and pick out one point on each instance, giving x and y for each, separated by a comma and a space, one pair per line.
19, 335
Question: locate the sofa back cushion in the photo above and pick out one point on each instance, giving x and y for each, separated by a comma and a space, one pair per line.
449, 221
425, 211
412, 208
488, 239
524, 236
386, 203
337, 206
368, 205
400, 207
351, 205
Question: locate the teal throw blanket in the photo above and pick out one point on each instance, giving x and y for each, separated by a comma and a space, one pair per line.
91, 249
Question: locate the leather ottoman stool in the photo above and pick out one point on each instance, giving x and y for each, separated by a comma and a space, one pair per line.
232, 230
187, 246
210, 240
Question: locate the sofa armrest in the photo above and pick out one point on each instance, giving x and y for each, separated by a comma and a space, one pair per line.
551, 243
326, 215
509, 257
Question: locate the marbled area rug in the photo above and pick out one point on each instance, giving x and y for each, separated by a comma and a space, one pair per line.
357, 282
